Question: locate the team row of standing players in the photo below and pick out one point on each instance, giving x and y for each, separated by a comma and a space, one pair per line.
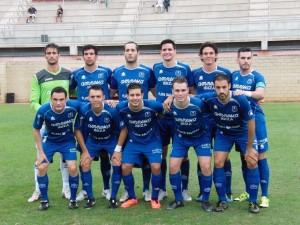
159, 81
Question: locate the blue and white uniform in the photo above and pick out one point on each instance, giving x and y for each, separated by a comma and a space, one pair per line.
83, 80
250, 82
123, 76
144, 136
59, 134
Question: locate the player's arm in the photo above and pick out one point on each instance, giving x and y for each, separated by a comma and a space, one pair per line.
112, 92
85, 154
251, 155
35, 94
193, 90
38, 140
117, 156
153, 91
258, 94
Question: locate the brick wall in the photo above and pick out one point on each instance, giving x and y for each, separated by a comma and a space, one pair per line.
281, 71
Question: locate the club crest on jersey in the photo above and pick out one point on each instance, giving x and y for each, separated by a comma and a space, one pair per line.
234, 109
100, 75
249, 81
70, 115
123, 74
106, 120
147, 114
83, 77
215, 107
192, 113
52, 118
90, 119
141, 74
177, 73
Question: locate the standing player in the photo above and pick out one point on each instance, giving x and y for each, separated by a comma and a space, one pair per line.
235, 125
187, 113
103, 125
83, 79
140, 117
165, 72
58, 116
203, 83
41, 85
252, 84
132, 71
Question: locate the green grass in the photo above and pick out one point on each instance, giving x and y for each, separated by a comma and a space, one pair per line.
17, 155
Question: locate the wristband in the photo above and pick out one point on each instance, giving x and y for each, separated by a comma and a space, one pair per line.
248, 93
118, 148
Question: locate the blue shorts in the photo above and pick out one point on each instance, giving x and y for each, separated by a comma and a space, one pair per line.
166, 128
67, 149
202, 146
261, 133
133, 152
96, 146
224, 143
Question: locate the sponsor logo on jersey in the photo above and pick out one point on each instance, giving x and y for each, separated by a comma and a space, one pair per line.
237, 78
161, 71
50, 78
90, 119
250, 113
201, 78
175, 113
123, 74
234, 109
215, 107
83, 77
128, 115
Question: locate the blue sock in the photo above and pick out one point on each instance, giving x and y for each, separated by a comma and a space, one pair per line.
164, 174
199, 174
244, 171
228, 172
156, 180
206, 184
220, 183
253, 183
73, 182
264, 172
115, 181
175, 180
129, 185
43, 185
105, 170
80, 170
146, 170
185, 172
87, 181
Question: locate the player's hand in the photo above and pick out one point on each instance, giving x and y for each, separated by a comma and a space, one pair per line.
111, 103
117, 158
168, 103
41, 158
238, 92
261, 102
84, 156
251, 157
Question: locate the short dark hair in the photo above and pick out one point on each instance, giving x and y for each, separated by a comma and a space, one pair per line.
51, 45
59, 90
132, 42
179, 80
134, 85
96, 88
208, 44
88, 47
220, 77
244, 49
168, 41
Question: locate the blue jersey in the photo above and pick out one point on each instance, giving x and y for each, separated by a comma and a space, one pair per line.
189, 120
100, 127
249, 82
122, 77
231, 118
203, 82
142, 125
83, 80
58, 126
165, 76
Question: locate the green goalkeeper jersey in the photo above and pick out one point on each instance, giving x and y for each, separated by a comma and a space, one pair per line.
42, 84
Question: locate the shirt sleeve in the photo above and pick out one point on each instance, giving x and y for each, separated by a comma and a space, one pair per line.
35, 94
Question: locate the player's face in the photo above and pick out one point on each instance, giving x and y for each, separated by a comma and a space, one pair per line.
131, 53
51, 56
135, 98
58, 101
208, 56
167, 52
180, 91
89, 57
222, 89
244, 60
96, 97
